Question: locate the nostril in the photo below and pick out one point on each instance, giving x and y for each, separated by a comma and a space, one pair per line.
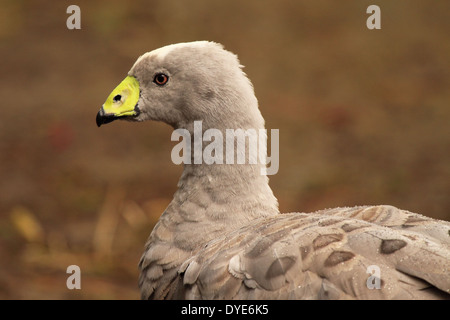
117, 98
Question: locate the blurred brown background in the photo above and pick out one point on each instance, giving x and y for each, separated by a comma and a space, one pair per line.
363, 118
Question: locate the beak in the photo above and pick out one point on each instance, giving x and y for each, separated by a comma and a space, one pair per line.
121, 103
104, 118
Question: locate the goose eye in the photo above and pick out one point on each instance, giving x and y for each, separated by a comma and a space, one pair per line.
161, 79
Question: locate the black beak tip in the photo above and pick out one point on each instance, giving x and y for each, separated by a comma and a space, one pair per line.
99, 119
103, 118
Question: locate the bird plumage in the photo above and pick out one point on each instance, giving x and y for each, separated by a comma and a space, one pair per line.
222, 236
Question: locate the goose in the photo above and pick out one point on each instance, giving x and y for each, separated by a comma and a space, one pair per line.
223, 237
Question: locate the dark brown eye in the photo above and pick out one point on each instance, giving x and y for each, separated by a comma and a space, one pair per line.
161, 79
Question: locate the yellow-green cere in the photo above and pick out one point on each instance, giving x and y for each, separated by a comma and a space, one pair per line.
123, 99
